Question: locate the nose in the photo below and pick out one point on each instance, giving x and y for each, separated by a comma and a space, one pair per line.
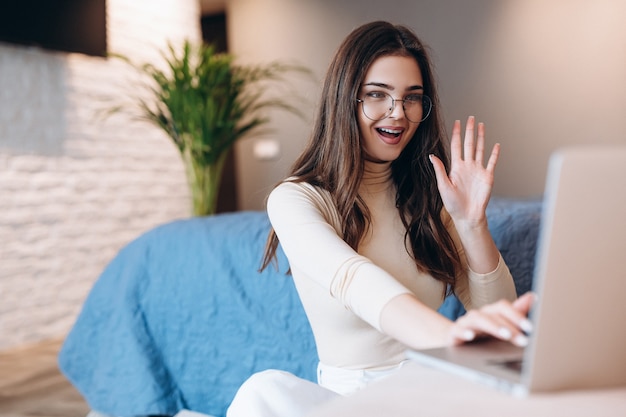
397, 109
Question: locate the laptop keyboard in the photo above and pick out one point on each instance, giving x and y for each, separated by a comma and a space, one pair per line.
512, 364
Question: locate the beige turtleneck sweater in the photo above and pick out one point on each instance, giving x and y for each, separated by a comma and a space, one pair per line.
344, 291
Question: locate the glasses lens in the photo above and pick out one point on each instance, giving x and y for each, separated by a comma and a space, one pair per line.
378, 105
417, 107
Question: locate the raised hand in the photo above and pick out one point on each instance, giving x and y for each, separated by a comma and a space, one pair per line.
466, 190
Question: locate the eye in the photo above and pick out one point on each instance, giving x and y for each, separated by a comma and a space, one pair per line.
376, 95
413, 98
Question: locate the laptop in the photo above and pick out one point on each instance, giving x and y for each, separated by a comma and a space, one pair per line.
579, 336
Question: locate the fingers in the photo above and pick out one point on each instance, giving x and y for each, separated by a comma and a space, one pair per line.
455, 142
473, 148
460, 335
503, 320
479, 153
469, 148
524, 303
493, 158
440, 171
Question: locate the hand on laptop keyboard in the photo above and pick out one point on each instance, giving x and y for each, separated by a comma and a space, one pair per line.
503, 320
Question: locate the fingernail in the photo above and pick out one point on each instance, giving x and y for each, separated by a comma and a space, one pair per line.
526, 326
505, 333
520, 340
468, 335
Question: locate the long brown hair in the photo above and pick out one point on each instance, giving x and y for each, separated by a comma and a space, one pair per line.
333, 158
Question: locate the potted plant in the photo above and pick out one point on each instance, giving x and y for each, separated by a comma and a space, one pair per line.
205, 103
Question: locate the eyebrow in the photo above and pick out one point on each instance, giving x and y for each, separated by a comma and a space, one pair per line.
388, 87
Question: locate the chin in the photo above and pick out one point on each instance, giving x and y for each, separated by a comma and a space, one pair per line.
382, 159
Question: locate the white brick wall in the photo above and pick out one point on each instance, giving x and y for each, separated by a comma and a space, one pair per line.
75, 187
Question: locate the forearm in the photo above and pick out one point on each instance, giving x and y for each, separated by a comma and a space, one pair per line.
415, 325
412, 323
488, 279
480, 250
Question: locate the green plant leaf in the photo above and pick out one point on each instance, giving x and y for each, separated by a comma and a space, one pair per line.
205, 102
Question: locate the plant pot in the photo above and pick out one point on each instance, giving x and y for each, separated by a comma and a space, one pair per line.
204, 182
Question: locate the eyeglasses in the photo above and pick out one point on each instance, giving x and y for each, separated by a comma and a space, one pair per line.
378, 105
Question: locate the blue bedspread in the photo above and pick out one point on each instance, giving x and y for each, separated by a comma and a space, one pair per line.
180, 317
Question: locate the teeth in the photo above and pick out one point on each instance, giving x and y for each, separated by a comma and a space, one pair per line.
391, 131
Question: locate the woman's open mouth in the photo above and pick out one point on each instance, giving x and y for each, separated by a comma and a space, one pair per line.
390, 136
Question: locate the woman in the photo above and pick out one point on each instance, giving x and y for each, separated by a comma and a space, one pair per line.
378, 226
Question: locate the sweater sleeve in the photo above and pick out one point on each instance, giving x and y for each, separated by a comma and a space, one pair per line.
309, 230
478, 290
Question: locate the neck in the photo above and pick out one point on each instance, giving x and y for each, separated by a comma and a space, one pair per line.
376, 176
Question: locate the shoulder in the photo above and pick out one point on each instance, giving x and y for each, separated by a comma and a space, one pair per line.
294, 199
291, 192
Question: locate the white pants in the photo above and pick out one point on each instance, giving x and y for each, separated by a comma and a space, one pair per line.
274, 393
